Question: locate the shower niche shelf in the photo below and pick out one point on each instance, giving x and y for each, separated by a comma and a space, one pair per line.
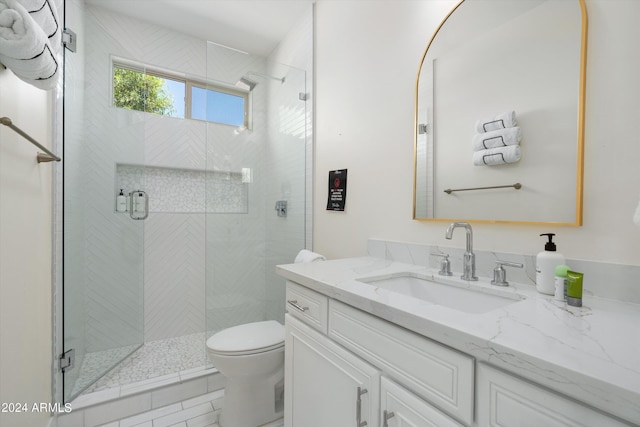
173, 190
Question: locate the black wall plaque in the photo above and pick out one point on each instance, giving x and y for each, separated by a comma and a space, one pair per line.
337, 190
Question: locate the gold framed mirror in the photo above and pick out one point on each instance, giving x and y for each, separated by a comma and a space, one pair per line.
522, 59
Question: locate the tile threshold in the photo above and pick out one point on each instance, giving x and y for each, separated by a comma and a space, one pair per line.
114, 393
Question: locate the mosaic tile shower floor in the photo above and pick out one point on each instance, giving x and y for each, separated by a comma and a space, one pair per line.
153, 359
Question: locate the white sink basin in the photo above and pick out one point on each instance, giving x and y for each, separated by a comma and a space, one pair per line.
469, 298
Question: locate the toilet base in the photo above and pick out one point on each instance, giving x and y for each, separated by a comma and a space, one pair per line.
248, 403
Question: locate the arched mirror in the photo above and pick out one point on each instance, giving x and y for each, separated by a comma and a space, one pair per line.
521, 63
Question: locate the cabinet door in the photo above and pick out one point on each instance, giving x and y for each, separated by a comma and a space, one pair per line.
441, 375
325, 385
507, 401
401, 408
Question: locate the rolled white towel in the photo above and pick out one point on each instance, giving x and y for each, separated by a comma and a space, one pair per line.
307, 256
501, 121
497, 156
45, 13
24, 47
497, 138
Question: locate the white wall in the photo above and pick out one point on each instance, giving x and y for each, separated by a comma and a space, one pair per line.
367, 57
25, 253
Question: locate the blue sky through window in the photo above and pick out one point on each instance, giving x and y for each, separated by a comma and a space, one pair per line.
219, 107
177, 91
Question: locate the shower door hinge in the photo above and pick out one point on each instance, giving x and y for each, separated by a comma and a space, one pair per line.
423, 128
303, 96
69, 39
67, 360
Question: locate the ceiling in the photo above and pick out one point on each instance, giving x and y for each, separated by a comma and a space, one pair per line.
254, 26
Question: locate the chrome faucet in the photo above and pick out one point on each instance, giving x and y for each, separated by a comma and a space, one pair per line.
469, 260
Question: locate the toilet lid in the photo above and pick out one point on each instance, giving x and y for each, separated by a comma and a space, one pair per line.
249, 338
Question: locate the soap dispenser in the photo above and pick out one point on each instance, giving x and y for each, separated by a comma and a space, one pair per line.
121, 202
546, 262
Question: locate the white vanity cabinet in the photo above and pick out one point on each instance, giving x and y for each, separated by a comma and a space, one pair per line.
335, 360
325, 385
334, 352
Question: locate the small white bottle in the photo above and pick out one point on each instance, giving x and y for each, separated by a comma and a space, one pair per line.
121, 202
546, 262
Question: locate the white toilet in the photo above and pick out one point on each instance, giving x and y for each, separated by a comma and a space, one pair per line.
251, 357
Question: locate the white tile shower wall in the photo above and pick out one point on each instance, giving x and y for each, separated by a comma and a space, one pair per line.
174, 275
235, 265
175, 143
600, 279
119, 136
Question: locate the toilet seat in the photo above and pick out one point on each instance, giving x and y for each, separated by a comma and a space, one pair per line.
250, 338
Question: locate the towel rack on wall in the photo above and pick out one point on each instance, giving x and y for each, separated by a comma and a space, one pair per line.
47, 156
517, 186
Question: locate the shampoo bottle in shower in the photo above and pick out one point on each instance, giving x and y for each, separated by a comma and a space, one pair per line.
121, 202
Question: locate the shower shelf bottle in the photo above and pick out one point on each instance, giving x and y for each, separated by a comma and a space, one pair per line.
121, 202
546, 262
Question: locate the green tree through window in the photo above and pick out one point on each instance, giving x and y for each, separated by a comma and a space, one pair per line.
142, 92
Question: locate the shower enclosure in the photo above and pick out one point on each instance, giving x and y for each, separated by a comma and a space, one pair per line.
193, 249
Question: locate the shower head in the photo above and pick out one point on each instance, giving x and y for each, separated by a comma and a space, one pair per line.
246, 83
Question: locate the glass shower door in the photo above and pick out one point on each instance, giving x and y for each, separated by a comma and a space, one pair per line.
255, 190
103, 242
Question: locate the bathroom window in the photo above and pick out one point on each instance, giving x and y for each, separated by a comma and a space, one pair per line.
136, 87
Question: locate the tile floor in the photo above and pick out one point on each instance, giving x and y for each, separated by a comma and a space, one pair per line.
153, 359
201, 411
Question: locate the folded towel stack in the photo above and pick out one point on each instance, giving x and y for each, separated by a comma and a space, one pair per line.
497, 140
30, 40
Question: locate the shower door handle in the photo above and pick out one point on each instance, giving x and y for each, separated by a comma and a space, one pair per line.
139, 209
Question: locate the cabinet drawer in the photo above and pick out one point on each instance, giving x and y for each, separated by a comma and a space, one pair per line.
508, 401
307, 305
442, 376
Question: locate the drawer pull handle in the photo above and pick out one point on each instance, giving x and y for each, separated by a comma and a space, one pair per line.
297, 306
359, 422
386, 415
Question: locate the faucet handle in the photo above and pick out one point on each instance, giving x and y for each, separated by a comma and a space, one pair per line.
500, 274
445, 264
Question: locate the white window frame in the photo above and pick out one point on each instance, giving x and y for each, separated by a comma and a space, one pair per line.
189, 84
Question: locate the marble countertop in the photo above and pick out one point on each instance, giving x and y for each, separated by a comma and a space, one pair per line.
590, 353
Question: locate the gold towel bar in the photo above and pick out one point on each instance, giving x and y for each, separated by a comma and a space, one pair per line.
517, 186
47, 156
